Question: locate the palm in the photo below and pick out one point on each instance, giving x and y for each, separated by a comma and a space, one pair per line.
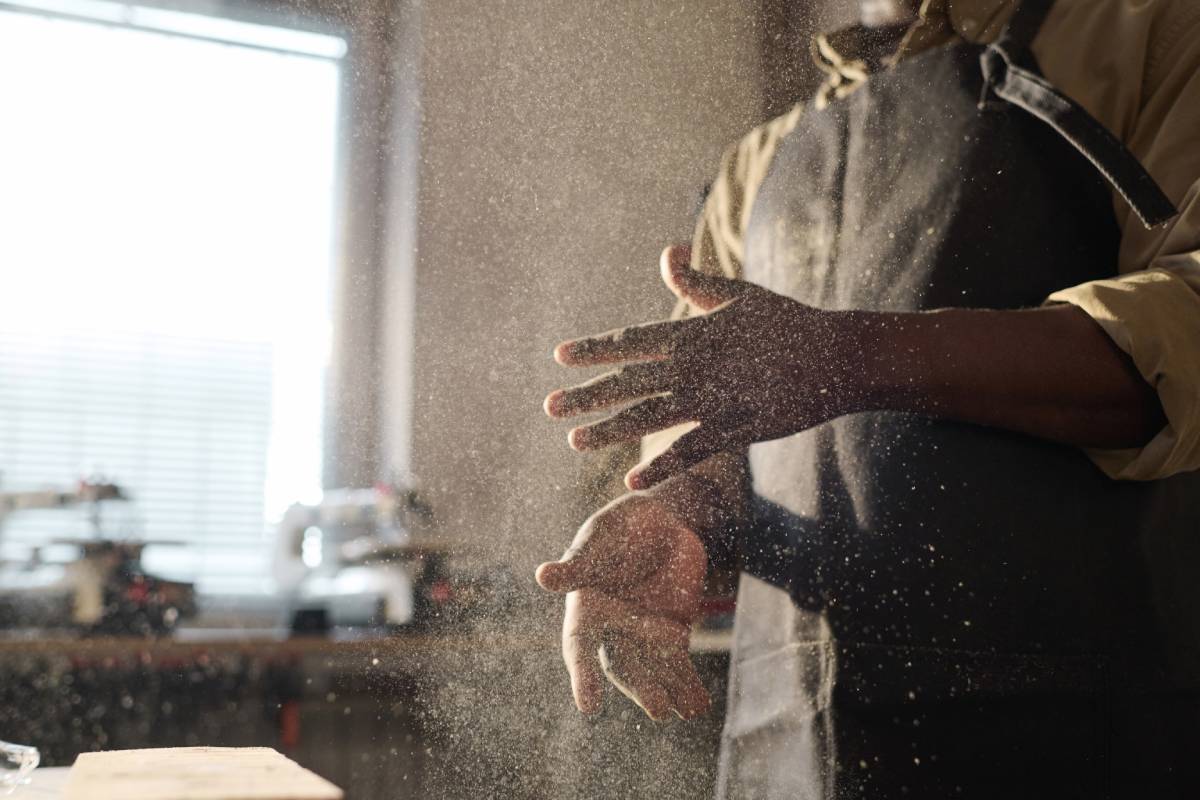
634, 575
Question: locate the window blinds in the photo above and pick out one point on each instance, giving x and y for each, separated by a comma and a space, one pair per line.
167, 217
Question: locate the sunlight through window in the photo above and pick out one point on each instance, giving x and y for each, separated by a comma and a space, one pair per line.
167, 206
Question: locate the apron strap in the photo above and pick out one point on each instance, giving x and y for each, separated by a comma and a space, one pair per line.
1010, 71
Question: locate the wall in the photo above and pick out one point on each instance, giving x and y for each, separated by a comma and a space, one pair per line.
542, 156
562, 145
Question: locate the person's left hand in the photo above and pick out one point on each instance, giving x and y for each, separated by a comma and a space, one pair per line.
755, 366
633, 578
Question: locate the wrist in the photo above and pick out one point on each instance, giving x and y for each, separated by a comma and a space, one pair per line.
708, 496
883, 360
692, 499
702, 504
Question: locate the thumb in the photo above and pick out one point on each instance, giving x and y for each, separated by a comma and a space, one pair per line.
609, 551
577, 569
558, 576
705, 292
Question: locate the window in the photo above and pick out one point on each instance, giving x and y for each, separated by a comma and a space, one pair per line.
167, 185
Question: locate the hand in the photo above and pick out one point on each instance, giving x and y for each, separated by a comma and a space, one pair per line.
633, 577
755, 366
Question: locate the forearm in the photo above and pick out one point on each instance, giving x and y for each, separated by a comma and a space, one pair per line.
758, 366
1049, 372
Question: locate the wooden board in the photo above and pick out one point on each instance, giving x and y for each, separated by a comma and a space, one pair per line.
194, 773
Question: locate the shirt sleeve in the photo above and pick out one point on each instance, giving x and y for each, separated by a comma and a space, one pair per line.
1151, 310
718, 247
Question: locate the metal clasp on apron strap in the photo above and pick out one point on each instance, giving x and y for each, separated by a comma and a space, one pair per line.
1011, 73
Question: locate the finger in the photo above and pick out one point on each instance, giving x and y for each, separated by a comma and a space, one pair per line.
645, 653
580, 655
646, 417
689, 698
688, 450
634, 343
706, 292
627, 670
610, 389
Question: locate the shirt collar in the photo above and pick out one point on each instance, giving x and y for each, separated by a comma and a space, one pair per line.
849, 55
977, 20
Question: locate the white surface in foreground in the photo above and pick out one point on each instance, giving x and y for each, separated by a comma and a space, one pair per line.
45, 784
193, 773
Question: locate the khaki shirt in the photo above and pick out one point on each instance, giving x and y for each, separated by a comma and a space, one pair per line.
1135, 66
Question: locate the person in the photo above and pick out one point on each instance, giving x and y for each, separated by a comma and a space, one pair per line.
937, 391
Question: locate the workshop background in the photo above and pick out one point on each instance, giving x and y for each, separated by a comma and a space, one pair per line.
280, 286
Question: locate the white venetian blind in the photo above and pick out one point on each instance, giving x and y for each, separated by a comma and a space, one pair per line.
166, 239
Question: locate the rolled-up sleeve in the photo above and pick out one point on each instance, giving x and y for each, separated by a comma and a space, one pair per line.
1154, 316
1151, 310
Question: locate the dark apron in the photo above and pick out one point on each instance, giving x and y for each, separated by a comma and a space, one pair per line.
933, 609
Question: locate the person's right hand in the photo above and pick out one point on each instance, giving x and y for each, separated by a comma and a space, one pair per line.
633, 577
